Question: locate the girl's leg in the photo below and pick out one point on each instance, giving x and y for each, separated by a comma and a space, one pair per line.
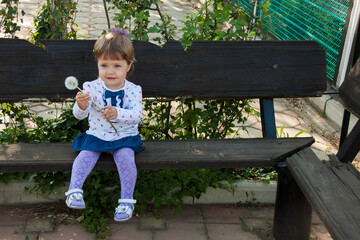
125, 162
82, 166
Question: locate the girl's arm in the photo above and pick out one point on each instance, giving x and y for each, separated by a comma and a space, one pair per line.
81, 112
133, 111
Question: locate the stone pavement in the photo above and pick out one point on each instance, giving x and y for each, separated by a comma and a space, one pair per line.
193, 222
91, 19
211, 222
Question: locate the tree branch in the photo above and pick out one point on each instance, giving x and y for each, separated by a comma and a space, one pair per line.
107, 14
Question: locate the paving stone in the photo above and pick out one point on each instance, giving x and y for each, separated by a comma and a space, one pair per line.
15, 233
221, 232
306, 126
279, 105
100, 24
322, 156
320, 138
182, 231
320, 232
263, 212
135, 219
290, 113
128, 231
39, 225
257, 126
223, 213
47, 114
286, 120
8, 218
39, 108
252, 119
261, 226
97, 8
255, 104
188, 214
302, 122
152, 223
249, 132
256, 223
315, 218
324, 147
73, 232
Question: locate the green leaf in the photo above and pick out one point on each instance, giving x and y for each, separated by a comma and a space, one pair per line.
296, 135
81, 218
153, 30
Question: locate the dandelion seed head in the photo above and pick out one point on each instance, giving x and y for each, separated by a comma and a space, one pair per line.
71, 83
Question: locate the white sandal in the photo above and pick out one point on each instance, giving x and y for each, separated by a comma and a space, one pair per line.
124, 209
74, 198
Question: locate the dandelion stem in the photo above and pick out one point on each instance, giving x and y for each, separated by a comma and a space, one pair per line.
97, 107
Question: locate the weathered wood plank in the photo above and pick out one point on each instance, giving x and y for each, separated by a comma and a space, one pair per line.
291, 209
209, 69
348, 174
332, 188
183, 154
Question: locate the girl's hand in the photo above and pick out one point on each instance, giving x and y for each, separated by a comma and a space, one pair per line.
110, 113
83, 99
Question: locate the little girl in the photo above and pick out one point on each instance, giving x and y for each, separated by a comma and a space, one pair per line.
113, 130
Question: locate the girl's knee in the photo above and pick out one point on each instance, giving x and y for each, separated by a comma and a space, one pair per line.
89, 153
123, 152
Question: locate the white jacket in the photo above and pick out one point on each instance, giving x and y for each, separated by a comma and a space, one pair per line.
128, 116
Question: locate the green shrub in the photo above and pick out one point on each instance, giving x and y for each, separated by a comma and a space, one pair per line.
9, 14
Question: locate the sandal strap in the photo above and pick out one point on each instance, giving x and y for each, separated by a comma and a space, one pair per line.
122, 200
125, 209
75, 190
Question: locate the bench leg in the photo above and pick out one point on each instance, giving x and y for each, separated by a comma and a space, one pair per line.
292, 219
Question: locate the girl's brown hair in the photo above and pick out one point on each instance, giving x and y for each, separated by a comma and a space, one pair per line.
114, 46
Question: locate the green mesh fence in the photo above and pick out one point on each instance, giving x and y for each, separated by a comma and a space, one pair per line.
319, 20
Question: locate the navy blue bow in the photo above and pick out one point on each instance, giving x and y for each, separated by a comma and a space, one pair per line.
114, 96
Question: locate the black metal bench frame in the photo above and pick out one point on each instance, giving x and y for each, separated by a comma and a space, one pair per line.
208, 70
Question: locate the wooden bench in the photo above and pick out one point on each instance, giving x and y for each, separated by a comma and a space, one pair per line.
208, 70
331, 186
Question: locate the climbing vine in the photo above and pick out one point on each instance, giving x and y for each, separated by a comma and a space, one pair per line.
55, 20
135, 17
9, 17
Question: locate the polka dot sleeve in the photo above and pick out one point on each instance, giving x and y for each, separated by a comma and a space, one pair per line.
79, 113
132, 111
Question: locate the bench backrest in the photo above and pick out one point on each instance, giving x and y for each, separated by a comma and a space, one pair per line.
256, 69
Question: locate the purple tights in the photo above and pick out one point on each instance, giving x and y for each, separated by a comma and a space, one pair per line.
82, 166
125, 163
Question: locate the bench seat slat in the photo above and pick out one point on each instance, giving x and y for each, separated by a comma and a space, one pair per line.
176, 154
332, 188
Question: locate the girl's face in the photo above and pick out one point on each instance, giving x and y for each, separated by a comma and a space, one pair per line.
113, 72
